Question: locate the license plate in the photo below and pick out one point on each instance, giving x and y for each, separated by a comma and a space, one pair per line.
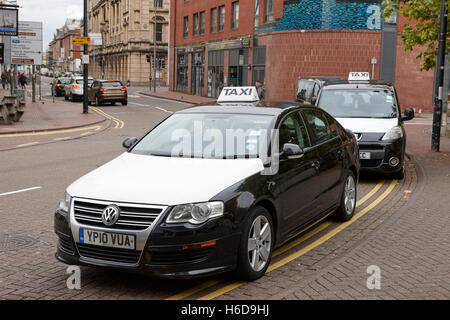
115, 91
106, 239
364, 155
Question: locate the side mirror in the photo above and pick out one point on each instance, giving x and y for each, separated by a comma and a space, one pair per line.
409, 114
128, 143
291, 151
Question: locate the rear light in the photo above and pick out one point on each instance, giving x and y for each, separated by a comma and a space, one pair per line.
75, 86
58, 85
124, 89
103, 90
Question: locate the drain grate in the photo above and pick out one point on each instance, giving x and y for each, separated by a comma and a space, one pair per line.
18, 241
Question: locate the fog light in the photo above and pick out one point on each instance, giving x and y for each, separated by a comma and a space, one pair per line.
394, 161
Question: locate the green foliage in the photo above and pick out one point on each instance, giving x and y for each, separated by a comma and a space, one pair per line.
422, 30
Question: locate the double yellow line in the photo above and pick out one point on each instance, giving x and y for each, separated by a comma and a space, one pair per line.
293, 244
118, 124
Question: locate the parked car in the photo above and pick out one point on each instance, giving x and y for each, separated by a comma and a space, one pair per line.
74, 89
371, 110
174, 209
107, 91
57, 86
308, 88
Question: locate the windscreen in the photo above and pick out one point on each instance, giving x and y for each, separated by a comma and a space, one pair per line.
208, 135
115, 84
359, 103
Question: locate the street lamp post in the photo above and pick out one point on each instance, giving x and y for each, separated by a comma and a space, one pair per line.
85, 64
437, 115
154, 47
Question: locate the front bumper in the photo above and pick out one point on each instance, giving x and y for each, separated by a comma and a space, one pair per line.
381, 152
164, 253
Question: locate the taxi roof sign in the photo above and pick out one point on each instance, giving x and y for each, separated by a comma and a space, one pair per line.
357, 76
238, 94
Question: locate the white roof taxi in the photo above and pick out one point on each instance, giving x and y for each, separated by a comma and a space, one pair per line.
371, 110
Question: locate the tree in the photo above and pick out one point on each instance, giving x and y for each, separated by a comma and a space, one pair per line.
422, 31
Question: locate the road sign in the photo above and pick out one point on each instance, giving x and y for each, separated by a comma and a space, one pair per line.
81, 40
96, 39
26, 48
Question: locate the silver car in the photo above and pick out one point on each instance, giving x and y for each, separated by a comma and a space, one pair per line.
74, 89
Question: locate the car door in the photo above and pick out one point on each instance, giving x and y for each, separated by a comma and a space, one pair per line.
328, 143
91, 91
297, 179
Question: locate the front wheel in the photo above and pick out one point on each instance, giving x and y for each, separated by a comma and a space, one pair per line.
256, 245
347, 207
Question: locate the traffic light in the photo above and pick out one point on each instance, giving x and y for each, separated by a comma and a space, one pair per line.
162, 63
148, 58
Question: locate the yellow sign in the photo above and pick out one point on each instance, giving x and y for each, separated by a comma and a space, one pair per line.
81, 40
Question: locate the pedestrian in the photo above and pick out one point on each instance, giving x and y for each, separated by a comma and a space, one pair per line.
22, 81
261, 89
128, 83
4, 80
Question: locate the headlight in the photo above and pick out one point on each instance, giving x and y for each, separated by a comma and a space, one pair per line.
196, 213
65, 204
393, 133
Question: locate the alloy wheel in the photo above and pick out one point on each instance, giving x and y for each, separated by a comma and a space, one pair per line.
350, 195
259, 243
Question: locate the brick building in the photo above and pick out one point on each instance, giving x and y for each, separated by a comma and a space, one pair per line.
127, 31
65, 55
229, 42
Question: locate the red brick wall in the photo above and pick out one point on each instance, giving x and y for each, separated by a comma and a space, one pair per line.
414, 87
294, 54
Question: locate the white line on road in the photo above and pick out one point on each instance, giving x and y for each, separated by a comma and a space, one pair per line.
137, 104
163, 110
19, 191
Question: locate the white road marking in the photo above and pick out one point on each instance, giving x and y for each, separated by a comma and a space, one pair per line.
137, 104
19, 191
163, 110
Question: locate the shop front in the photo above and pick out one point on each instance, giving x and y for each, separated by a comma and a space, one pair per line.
197, 72
182, 71
216, 76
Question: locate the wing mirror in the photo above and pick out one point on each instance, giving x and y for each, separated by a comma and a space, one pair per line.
128, 143
409, 114
291, 151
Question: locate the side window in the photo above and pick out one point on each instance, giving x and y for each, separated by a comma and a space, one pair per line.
333, 126
320, 130
292, 130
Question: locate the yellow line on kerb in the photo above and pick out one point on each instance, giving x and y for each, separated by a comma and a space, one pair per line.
119, 124
309, 247
279, 251
44, 133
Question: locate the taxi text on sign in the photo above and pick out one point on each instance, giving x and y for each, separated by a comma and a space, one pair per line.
238, 94
355, 76
81, 40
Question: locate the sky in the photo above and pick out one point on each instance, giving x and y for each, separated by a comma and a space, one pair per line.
52, 13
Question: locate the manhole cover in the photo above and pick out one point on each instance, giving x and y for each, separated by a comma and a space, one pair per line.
18, 241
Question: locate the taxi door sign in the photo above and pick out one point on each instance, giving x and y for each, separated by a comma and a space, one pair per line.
238, 94
358, 76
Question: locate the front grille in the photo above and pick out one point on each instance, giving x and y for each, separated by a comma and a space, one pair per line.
371, 147
109, 254
66, 246
131, 217
371, 163
180, 257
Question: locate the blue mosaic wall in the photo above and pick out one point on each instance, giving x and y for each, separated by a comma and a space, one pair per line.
330, 15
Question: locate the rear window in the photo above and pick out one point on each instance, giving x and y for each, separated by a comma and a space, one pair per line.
80, 81
115, 84
64, 81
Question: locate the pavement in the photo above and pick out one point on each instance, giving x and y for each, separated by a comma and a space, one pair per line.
45, 115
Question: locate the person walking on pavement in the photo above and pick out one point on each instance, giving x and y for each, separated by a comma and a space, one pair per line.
4, 80
22, 81
261, 89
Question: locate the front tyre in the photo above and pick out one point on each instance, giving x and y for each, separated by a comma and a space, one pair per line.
256, 245
347, 207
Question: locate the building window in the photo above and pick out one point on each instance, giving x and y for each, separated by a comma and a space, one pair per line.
158, 4
256, 13
186, 27
159, 28
221, 18
269, 10
235, 15
195, 24
213, 20
202, 23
